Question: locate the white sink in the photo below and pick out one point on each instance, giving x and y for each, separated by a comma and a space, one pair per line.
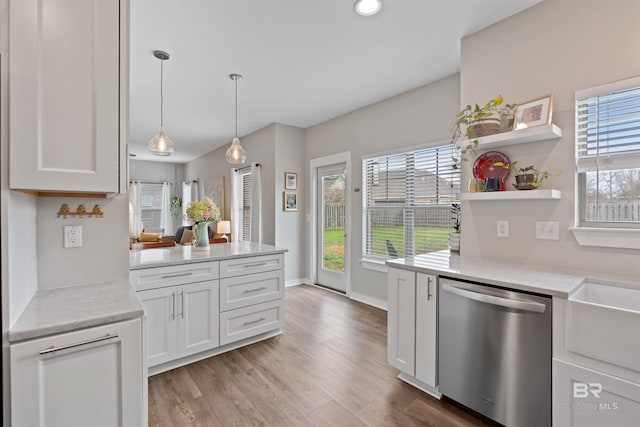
603, 322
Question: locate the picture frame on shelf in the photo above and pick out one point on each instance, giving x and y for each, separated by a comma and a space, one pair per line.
533, 113
290, 181
290, 201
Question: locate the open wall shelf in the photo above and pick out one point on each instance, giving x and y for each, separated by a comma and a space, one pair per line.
514, 195
533, 134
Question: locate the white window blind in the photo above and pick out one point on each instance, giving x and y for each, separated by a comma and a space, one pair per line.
608, 154
151, 205
244, 194
407, 199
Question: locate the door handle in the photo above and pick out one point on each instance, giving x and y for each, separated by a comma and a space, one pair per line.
182, 304
173, 305
429, 295
490, 299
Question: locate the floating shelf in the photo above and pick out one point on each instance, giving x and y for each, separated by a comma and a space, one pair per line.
514, 195
533, 134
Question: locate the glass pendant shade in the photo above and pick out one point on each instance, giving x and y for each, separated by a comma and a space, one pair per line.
161, 144
236, 155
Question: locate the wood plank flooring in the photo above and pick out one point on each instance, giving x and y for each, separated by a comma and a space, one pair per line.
328, 368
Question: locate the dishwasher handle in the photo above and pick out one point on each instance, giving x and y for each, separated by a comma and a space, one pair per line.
491, 299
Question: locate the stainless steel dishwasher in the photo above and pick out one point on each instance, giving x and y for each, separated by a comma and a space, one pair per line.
494, 351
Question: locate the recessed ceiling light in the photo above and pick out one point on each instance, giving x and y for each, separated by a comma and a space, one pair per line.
368, 7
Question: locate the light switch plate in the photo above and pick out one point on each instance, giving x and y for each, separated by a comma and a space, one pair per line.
502, 228
547, 230
72, 236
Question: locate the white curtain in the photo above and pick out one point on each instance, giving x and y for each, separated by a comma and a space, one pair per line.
256, 203
165, 210
189, 194
135, 213
236, 213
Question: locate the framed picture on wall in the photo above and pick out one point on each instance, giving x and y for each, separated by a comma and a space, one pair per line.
533, 113
290, 181
290, 201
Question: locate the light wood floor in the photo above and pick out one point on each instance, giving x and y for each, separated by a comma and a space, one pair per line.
328, 368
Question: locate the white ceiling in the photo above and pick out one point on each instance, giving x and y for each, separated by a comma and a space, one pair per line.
303, 61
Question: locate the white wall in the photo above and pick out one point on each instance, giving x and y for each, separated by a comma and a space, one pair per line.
290, 226
104, 254
557, 46
416, 117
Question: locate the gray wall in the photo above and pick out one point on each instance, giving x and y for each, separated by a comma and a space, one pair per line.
290, 226
417, 117
557, 46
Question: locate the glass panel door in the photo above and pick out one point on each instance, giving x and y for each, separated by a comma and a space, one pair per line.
331, 227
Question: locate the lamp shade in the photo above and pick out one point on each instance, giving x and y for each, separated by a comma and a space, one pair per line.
224, 227
161, 144
236, 155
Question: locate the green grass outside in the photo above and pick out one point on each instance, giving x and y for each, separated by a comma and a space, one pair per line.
426, 239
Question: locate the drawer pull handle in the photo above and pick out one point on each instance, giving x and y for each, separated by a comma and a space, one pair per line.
78, 344
255, 264
251, 322
171, 276
247, 291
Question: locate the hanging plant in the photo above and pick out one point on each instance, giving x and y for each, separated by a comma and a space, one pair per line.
176, 207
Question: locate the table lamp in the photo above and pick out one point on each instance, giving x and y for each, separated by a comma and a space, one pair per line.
224, 227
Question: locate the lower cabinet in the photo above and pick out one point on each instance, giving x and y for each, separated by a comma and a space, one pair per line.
182, 320
92, 377
584, 397
412, 325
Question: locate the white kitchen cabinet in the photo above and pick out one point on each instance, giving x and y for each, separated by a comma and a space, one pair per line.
68, 95
426, 328
182, 320
584, 397
401, 320
91, 377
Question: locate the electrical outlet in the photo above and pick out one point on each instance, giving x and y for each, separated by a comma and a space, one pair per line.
72, 236
502, 228
547, 230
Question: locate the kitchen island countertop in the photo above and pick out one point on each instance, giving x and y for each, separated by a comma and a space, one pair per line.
178, 255
59, 310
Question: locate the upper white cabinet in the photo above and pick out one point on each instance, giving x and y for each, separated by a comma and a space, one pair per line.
68, 95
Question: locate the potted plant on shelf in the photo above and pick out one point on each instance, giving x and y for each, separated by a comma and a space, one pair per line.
454, 237
529, 177
477, 121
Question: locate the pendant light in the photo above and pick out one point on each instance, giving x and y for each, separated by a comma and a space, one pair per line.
236, 155
161, 144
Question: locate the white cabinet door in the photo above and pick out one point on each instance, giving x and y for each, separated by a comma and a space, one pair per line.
95, 378
64, 94
426, 328
401, 320
198, 323
586, 398
160, 305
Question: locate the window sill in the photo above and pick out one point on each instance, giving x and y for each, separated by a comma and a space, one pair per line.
374, 264
625, 238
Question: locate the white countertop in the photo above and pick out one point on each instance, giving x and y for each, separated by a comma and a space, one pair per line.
162, 257
54, 311
510, 275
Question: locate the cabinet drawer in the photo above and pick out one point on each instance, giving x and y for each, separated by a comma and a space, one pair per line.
159, 277
250, 265
246, 322
241, 291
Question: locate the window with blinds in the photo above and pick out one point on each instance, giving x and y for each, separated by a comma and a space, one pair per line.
245, 206
407, 199
608, 154
150, 205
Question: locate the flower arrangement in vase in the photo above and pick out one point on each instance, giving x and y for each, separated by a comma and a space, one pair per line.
201, 213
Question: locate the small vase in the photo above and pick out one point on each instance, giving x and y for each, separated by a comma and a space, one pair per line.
201, 235
454, 242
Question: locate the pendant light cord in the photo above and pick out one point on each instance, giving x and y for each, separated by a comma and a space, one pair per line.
236, 81
161, 94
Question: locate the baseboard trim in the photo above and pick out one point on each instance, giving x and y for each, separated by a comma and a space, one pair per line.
296, 282
374, 302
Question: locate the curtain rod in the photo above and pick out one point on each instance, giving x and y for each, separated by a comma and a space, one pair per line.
155, 183
247, 167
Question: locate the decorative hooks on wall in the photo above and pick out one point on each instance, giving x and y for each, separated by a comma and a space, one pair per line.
81, 211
